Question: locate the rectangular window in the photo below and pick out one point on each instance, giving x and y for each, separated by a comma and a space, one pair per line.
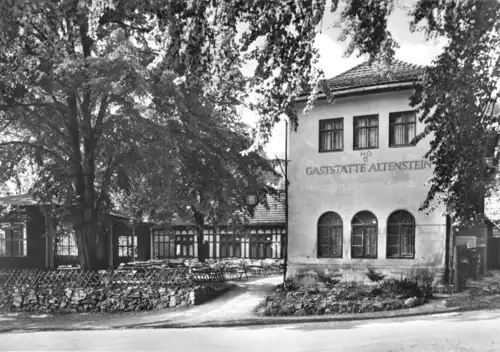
13, 240
261, 244
366, 132
164, 244
127, 249
230, 249
66, 241
400, 241
184, 243
330, 242
402, 128
331, 135
364, 242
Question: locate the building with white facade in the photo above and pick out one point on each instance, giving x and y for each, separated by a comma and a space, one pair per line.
357, 182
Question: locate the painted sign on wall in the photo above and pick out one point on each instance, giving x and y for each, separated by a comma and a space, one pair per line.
407, 165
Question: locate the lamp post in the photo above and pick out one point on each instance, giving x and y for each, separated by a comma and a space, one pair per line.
285, 262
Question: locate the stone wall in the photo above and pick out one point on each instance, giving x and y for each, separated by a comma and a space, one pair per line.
79, 300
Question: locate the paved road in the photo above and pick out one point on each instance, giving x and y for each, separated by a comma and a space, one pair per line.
467, 332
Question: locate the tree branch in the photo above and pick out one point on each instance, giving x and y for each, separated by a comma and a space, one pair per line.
34, 146
97, 130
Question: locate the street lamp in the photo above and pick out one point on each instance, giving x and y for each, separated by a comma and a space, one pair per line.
285, 262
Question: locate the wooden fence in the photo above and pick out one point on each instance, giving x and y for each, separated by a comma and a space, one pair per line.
120, 278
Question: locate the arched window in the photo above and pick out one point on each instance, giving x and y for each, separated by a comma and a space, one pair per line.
401, 235
364, 235
330, 235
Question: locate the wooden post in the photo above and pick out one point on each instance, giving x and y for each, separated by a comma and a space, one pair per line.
151, 243
485, 251
478, 266
111, 245
49, 237
455, 269
133, 243
451, 257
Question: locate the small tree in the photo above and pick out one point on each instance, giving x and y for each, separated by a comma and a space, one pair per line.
209, 182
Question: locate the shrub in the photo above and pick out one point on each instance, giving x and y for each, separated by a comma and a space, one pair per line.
405, 287
374, 276
376, 291
286, 286
424, 278
330, 280
349, 291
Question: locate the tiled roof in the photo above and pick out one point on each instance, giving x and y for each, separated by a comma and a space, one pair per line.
365, 75
275, 215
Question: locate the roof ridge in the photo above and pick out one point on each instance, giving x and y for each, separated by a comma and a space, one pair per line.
349, 70
367, 74
409, 63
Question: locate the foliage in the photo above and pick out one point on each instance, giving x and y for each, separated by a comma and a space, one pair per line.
425, 278
99, 110
329, 279
418, 283
13, 214
349, 291
344, 297
97, 96
212, 180
403, 286
374, 276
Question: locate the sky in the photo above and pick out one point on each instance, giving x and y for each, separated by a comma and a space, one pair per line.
413, 49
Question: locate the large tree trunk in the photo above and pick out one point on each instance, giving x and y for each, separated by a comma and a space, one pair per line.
91, 248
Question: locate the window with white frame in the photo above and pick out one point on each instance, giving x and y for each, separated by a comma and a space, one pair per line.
164, 244
402, 128
184, 243
401, 235
13, 240
331, 135
66, 241
364, 235
366, 132
127, 248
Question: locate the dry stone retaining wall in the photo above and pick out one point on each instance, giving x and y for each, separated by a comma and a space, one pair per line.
76, 300
127, 291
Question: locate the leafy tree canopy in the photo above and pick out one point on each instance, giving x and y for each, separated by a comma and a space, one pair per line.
93, 106
90, 90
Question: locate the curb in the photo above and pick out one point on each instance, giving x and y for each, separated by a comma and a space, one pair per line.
290, 320
243, 322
